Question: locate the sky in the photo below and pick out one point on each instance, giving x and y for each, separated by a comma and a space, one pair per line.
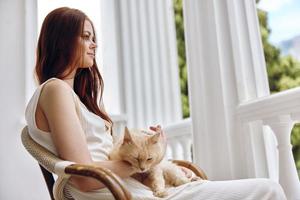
284, 18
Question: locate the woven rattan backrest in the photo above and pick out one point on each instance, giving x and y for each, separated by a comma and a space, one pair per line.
41, 154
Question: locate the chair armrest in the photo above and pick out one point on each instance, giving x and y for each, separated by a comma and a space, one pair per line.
105, 176
53, 164
197, 170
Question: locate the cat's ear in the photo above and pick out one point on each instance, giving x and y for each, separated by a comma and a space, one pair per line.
127, 137
154, 138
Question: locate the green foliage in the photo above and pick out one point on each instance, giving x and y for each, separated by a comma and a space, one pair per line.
283, 71
181, 57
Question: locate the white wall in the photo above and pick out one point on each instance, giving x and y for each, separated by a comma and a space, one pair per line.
20, 176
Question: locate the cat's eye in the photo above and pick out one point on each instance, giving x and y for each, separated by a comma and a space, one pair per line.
149, 159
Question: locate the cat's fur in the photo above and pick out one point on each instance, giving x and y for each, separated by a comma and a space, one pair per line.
145, 150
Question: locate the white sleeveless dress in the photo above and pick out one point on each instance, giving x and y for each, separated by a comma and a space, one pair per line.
100, 143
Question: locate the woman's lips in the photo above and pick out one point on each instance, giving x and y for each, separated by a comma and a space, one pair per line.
91, 54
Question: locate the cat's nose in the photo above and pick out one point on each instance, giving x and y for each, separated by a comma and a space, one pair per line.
142, 168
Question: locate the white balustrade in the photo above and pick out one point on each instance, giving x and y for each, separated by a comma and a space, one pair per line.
176, 149
280, 112
179, 138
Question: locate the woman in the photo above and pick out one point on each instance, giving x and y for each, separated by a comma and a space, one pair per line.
63, 115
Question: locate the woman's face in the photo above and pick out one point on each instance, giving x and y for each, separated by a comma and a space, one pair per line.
89, 45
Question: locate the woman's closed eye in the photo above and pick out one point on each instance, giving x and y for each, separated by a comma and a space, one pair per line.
88, 37
85, 37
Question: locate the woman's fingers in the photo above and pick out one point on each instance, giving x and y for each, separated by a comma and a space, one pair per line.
158, 129
155, 128
188, 172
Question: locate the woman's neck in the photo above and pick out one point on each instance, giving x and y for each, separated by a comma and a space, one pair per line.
69, 81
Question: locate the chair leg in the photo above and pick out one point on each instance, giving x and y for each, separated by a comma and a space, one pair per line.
49, 180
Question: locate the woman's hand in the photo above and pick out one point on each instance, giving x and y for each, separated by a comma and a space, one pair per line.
188, 173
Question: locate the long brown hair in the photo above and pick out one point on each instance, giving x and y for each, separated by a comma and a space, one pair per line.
58, 54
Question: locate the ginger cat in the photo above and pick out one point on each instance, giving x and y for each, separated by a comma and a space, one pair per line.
145, 150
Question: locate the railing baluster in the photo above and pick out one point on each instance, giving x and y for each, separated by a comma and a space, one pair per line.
288, 177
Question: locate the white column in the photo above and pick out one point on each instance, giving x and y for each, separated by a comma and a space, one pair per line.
288, 176
225, 68
30, 42
148, 62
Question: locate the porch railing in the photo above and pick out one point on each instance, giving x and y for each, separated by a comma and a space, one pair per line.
179, 138
280, 112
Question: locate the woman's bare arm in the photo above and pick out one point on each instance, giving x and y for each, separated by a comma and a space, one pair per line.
122, 169
58, 106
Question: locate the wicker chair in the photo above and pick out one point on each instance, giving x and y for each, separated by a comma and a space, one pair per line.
50, 164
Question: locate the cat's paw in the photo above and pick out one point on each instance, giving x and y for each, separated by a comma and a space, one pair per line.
160, 193
196, 178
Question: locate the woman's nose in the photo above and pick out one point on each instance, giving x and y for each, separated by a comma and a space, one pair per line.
93, 45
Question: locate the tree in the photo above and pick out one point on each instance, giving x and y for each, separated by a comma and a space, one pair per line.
181, 57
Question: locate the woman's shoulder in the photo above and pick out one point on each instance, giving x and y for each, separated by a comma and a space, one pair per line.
49, 96
55, 84
56, 87
56, 90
